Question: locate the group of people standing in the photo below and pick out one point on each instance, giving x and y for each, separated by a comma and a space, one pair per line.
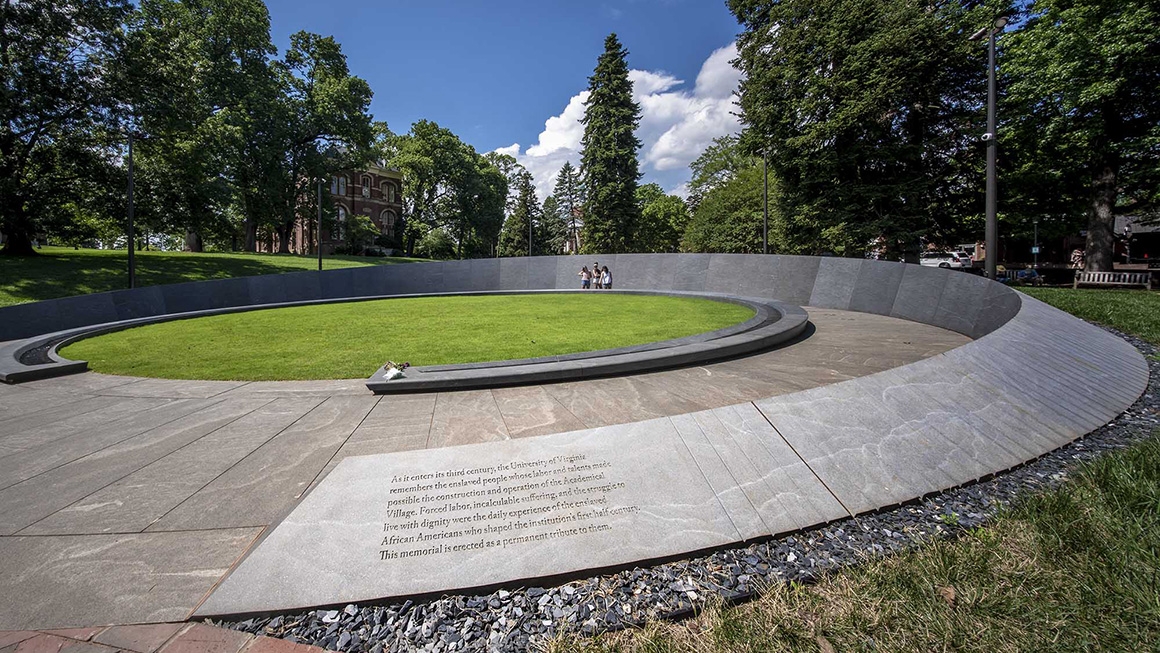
600, 276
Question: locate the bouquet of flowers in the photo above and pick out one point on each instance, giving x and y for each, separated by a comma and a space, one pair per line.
395, 370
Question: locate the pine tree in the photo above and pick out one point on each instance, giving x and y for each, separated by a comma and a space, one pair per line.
609, 154
513, 240
569, 193
553, 227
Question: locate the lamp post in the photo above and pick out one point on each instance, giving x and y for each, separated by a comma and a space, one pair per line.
319, 225
132, 260
765, 201
1035, 248
992, 231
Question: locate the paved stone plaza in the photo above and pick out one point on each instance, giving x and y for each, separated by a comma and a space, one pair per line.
124, 500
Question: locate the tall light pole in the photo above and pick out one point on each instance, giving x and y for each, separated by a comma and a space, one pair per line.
765, 202
132, 260
1035, 249
320, 225
992, 234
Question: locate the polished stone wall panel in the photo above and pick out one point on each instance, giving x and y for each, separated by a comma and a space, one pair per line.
919, 293
877, 287
793, 279
513, 274
835, 282
143, 302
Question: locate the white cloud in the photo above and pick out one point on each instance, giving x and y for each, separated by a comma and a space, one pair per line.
675, 127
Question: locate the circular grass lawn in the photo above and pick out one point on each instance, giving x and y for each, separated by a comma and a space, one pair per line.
351, 340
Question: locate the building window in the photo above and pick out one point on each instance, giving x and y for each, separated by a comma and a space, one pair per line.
340, 223
366, 186
338, 186
387, 218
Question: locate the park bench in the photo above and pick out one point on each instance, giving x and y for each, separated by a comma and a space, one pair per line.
1113, 279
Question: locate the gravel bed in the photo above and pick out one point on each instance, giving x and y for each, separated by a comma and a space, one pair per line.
517, 619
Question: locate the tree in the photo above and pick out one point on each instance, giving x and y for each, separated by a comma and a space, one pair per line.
729, 217
448, 185
554, 226
609, 151
869, 113
523, 222
719, 163
329, 129
662, 220
569, 194
54, 84
188, 66
1084, 95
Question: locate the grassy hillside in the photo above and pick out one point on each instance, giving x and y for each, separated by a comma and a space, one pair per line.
61, 271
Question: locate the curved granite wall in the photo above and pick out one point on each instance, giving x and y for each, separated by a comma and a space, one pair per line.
967, 304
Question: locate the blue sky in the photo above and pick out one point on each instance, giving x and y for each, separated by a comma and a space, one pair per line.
496, 72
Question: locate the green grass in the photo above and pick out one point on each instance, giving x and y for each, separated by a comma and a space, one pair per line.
1074, 569
351, 340
1130, 311
61, 271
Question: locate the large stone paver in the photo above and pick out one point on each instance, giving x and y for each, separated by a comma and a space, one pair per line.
68, 581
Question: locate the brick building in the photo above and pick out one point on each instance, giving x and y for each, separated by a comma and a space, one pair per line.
375, 192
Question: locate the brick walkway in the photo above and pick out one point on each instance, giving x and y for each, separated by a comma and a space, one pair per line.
148, 638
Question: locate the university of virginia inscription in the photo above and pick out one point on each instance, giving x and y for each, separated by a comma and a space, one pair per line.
499, 506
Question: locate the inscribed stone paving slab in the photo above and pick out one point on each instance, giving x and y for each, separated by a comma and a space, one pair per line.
475, 515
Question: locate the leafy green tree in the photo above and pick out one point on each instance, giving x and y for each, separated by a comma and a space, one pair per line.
436, 244
609, 159
729, 217
870, 116
569, 194
55, 58
435, 164
719, 163
662, 220
1084, 99
189, 64
330, 128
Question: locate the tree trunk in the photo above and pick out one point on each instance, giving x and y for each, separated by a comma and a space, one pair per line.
284, 232
193, 242
1101, 237
251, 244
17, 244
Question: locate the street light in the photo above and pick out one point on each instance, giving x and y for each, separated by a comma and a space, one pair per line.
1035, 248
132, 260
992, 234
765, 202
319, 230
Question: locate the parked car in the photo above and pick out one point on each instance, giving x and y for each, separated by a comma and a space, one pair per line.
945, 260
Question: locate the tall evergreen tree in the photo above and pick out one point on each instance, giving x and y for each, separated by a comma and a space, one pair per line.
513, 239
554, 226
569, 194
609, 154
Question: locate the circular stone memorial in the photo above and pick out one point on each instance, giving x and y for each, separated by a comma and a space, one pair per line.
320, 524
